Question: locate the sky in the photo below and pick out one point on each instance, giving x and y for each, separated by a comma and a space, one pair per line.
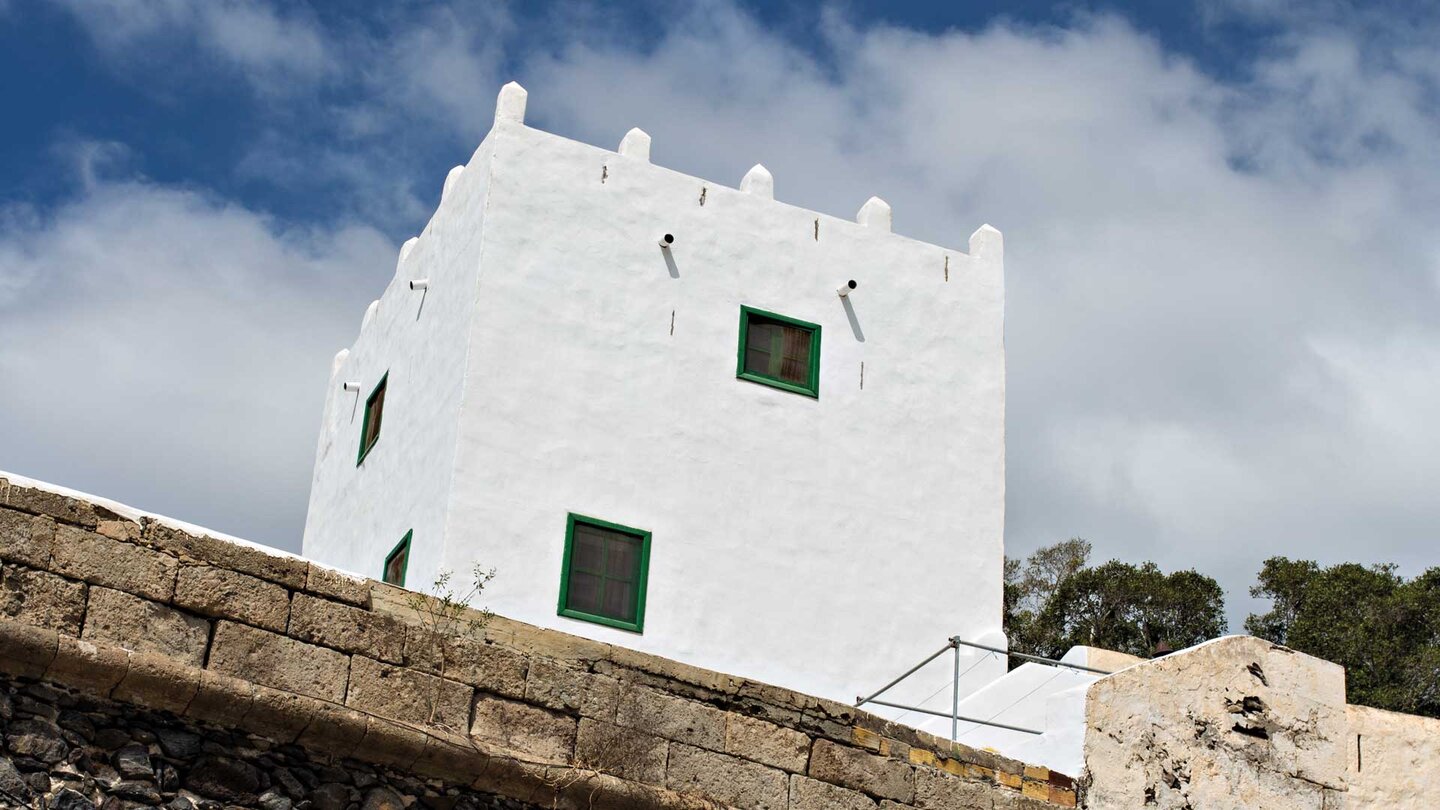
1222, 260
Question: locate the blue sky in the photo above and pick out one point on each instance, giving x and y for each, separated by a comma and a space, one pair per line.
1222, 265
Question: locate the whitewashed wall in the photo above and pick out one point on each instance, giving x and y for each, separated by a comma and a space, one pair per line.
357, 514
822, 544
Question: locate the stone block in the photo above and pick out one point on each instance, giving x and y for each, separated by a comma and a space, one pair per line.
227, 594
347, 628
279, 662
221, 699
26, 539
483, 664
726, 779
542, 642
335, 730
941, 791
116, 617
60, 507
387, 742
284, 570
704, 682
338, 585
878, 776
523, 729
446, 758
85, 555
280, 716
766, 743
29, 650
127, 530
672, 718
621, 752
42, 599
158, 682
1035, 790
408, 695
564, 688
93, 668
812, 794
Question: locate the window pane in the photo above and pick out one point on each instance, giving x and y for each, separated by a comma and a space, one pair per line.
796, 365
620, 600
584, 593
757, 362
589, 551
623, 559
373, 411
395, 567
761, 335
778, 350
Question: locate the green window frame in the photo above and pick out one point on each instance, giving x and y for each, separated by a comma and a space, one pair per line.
810, 387
374, 409
401, 548
632, 616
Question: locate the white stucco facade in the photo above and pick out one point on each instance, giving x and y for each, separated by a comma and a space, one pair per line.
560, 361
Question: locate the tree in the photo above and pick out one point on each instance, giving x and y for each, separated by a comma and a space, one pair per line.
1054, 601
1383, 629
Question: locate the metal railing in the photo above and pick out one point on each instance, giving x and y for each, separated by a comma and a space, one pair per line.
954, 644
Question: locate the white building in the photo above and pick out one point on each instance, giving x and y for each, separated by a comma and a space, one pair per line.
704, 451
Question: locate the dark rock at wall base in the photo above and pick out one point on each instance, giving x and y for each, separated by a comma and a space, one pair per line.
178, 744
225, 779
37, 740
331, 796
133, 761
136, 790
383, 799
110, 738
108, 756
68, 799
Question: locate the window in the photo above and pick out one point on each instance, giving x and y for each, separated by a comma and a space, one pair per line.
370, 427
397, 561
779, 351
603, 576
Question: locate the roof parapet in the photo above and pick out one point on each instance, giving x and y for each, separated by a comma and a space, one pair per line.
636, 144
759, 181
451, 179
875, 213
510, 105
986, 241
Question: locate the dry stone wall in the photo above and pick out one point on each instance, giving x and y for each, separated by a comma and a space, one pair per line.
63, 750
200, 633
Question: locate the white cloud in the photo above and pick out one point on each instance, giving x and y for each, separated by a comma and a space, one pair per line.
270, 48
169, 349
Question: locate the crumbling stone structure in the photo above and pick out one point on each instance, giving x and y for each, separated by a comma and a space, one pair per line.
1241, 722
113, 626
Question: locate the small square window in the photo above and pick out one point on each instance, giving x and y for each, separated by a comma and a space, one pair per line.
397, 561
603, 575
779, 351
370, 426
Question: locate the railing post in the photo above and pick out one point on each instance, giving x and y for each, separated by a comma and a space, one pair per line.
955, 699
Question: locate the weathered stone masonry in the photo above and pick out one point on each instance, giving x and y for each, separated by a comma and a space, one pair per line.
202, 633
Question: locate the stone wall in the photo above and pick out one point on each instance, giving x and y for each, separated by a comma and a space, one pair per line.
1239, 722
1393, 759
351, 673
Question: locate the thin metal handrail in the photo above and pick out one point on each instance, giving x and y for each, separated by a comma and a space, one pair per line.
958, 717
955, 643
1037, 659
